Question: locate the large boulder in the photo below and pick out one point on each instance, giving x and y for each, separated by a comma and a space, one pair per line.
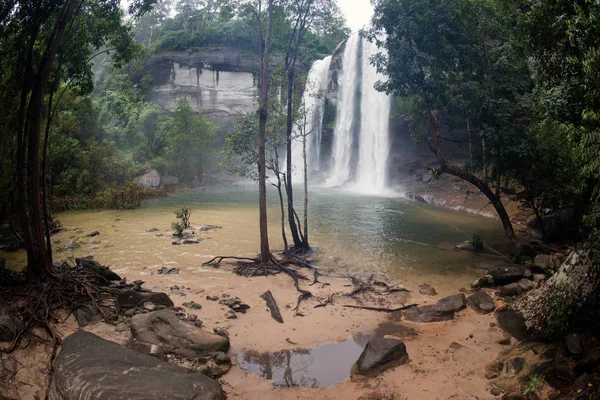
512, 322
379, 355
504, 274
481, 302
173, 335
151, 179
133, 298
90, 367
443, 310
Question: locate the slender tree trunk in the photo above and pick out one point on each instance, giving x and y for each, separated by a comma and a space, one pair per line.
265, 252
470, 141
38, 260
289, 190
446, 167
306, 245
283, 235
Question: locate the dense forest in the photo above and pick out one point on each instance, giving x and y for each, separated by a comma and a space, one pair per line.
513, 84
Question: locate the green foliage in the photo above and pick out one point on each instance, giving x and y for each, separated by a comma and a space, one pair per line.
562, 307
532, 385
183, 214
177, 227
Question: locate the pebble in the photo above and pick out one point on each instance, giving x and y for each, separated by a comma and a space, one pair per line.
192, 317
130, 312
198, 323
150, 306
496, 392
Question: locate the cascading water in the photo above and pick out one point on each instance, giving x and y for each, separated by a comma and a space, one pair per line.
374, 143
311, 118
342, 140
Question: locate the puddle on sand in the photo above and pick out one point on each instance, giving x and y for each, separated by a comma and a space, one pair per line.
322, 366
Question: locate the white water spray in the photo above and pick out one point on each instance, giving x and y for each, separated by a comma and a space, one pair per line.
374, 144
311, 118
342, 140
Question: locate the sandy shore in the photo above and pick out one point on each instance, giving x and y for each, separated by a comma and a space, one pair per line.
436, 370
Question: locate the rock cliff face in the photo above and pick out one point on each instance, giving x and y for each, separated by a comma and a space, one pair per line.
218, 81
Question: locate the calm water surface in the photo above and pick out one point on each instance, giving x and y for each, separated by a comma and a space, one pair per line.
351, 232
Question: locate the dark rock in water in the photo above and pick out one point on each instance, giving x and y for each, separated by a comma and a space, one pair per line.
163, 328
131, 298
168, 271
91, 367
130, 312
152, 230
508, 273
560, 376
104, 273
10, 325
512, 322
470, 246
86, 315
95, 233
573, 342
481, 302
176, 243
443, 310
205, 228
191, 241
379, 355
426, 289
512, 289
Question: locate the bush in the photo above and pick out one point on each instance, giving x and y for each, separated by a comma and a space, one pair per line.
183, 215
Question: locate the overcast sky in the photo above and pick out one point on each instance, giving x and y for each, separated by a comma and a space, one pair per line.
358, 12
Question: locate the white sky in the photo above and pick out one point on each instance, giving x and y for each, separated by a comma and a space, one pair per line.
358, 12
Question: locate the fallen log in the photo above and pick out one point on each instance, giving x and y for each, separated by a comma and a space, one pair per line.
272, 304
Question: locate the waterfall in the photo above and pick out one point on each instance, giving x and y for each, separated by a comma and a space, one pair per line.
342, 140
310, 121
374, 143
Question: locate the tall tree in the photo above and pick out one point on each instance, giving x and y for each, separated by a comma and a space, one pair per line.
460, 60
33, 34
265, 252
303, 16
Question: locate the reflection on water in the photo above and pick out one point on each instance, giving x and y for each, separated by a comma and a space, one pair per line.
410, 240
322, 366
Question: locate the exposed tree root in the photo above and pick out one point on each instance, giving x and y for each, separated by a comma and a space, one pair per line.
372, 286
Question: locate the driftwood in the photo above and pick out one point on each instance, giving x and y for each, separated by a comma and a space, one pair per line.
381, 309
272, 304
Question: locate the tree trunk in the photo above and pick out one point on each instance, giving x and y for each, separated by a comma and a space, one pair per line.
306, 245
265, 252
470, 142
38, 260
289, 190
446, 167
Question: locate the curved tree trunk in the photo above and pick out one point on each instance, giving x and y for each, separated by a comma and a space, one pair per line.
447, 167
